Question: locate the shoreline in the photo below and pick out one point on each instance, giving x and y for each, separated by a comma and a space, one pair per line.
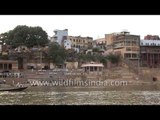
143, 87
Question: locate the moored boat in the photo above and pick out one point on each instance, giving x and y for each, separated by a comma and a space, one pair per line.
7, 87
13, 89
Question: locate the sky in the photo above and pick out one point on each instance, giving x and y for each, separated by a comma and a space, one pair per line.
95, 26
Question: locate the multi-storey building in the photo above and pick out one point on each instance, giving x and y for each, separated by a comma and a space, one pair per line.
150, 53
127, 45
124, 44
100, 43
151, 37
80, 43
109, 42
61, 37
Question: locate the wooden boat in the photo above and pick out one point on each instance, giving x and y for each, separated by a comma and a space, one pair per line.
13, 89
6, 87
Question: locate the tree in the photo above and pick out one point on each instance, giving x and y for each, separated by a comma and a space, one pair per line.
56, 53
71, 55
28, 36
96, 49
113, 58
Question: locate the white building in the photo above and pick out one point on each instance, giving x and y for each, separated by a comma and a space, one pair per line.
67, 44
149, 42
60, 36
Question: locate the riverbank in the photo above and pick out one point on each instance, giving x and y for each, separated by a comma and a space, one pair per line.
139, 87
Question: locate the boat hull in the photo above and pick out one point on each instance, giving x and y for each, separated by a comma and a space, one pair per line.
13, 89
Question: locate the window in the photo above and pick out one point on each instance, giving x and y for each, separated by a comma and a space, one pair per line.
1, 66
128, 43
10, 66
134, 55
95, 68
128, 49
127, 55
134, 43
5, 66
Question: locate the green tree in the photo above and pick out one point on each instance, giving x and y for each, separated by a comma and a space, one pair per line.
96, 49
28, 36
113, 58
56, 53
72, 56
102, 59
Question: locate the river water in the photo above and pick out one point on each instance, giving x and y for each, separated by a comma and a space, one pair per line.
80, 98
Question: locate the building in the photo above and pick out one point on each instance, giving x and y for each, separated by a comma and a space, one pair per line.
127, 45
151, 37
80, 43
124, 44
109, 39
150, 53
100, 40
1, 42
100, 43
8, 65
71, 65
3, 46
61, 37
67, 44
109, 42
92, 67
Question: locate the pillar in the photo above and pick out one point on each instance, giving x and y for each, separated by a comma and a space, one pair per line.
7, 66
2, 66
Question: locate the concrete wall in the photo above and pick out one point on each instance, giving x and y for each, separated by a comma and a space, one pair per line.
72, 65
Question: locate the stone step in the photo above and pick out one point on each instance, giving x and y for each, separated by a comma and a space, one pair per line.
127, 77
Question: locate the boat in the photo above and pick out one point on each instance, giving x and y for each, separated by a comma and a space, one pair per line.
13, 89
7, 87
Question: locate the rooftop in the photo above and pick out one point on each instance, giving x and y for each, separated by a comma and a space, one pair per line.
149, 42
92, 64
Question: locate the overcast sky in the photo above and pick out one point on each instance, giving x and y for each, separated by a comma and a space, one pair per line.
86, 25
